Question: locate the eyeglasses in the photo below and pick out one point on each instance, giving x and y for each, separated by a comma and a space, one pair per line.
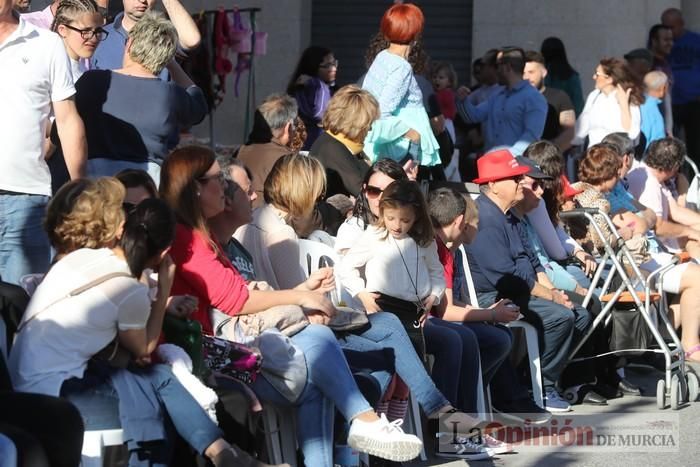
219, 176
333, 64
89, 33
373, 191
535, 185
597, 74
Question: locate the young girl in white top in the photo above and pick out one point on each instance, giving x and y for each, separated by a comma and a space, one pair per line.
402, 270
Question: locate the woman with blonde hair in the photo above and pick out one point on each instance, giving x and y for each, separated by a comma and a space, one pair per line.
348, 118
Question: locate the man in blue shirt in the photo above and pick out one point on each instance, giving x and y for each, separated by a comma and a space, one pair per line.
685, 63
515, 115
502, 267
110, 52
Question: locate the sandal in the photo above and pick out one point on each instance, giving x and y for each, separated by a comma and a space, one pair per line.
692, 365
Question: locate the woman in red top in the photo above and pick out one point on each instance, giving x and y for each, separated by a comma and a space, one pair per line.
192, 183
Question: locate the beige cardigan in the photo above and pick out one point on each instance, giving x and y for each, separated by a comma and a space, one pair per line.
273, 244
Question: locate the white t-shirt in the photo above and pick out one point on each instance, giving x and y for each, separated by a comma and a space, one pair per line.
652, 194
67, 331
34, 72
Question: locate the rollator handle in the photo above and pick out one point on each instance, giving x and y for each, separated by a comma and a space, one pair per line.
578, 212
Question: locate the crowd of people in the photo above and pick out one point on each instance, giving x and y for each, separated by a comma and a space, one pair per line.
112, 232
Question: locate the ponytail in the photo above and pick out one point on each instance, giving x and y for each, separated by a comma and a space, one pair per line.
148, 231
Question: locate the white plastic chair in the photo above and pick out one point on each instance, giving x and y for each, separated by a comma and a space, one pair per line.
531, 337
94, 443
310, 253
279, 426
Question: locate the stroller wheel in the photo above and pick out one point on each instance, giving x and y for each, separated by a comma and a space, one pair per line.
676, 392
571, 395
693, 386
661, 394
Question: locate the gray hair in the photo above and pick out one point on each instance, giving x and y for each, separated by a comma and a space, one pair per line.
226, 162
621, 142
278, 110
655, 80
153, 42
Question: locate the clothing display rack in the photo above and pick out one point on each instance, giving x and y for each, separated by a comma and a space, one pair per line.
250, 88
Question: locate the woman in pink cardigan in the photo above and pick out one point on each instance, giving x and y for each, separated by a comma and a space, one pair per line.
192, 183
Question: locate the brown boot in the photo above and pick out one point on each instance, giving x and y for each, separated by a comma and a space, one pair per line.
235, 456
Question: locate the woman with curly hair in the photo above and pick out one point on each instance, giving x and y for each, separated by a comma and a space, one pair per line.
613, 106
91, 298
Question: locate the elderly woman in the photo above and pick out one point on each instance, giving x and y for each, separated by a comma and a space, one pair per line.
404, 128
130, 115
347, 121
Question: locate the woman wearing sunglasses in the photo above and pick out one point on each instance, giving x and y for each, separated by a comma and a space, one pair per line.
378, 177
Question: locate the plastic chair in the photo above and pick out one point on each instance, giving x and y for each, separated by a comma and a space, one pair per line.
312, 256
531, 337
94, 443
279, 426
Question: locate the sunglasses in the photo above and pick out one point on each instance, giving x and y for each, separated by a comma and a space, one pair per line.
373, 191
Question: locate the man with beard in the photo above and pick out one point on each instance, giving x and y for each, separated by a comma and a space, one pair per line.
515, 115
561, 117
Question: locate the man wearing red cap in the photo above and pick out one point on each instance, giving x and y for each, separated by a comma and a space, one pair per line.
502, 267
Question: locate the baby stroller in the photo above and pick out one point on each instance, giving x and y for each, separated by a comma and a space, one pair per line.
646, 296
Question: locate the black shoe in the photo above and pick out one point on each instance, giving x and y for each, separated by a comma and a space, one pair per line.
521, 410
628, 388
587, 395
607, 391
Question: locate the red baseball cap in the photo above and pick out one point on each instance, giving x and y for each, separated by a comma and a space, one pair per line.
498, 165
568, 190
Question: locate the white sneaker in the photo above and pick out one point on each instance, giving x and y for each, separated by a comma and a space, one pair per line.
461, 447
496, 445
383, 439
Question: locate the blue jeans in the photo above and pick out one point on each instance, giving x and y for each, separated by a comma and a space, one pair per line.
386, 331
8, 453
24, 246
110, 167
457, 348
330, 385
557, 326
99, 407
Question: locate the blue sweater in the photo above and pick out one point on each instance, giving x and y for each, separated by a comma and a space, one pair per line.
131, 118
500, 257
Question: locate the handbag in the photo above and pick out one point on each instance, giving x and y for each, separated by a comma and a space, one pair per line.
231, 359
187, 334
408, 313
